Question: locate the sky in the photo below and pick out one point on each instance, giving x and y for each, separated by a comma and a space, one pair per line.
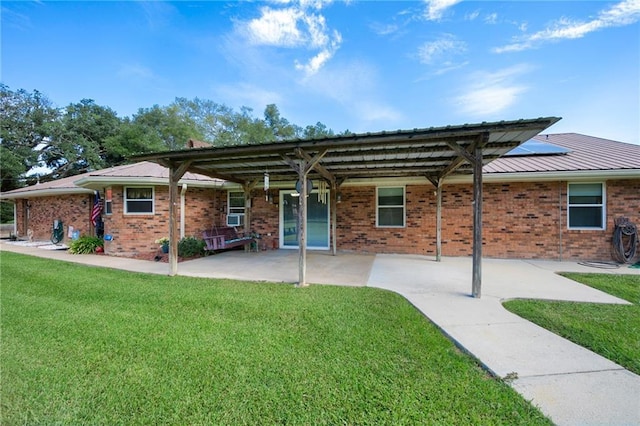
362, 66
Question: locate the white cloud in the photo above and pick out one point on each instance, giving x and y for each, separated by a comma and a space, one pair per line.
384, 29
624, 13
472, 16
276, 28
450, 66
436, 8
245, 94
446, 46
354, 88
136, 72
491, 93
295, 27
491, 18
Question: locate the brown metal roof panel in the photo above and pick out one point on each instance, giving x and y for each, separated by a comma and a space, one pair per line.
586, 153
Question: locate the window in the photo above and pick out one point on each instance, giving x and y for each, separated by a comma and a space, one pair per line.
108, 201
138, 200
390, 206
586, 206
235, 209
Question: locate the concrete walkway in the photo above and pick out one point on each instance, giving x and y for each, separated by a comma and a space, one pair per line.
571, 385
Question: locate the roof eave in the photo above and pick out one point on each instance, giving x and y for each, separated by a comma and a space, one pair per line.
45, 193
552, 176
99, 182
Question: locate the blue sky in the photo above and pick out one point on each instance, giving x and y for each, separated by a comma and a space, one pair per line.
357, 65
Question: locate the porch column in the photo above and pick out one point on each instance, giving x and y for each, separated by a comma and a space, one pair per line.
473, 155
437, 182
247, 187
477, 223
302, 167
302, 229
334, 216
175, 174
439, 221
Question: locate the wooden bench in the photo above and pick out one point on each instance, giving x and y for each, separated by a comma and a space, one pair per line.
224, 238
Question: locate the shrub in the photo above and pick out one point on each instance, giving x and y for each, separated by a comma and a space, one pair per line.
190, 247
85, 245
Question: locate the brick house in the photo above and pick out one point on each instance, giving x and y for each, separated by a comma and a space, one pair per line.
555, 197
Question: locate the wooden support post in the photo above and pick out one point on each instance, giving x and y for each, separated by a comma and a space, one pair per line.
439, 221
437, 182
334, 216
302, 228
175, 174
303, 166
247, 187
476, 283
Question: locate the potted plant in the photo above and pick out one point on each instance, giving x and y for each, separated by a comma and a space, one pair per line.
164, 242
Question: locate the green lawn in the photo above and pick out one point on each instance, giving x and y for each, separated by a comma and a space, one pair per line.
84, 345
612, 331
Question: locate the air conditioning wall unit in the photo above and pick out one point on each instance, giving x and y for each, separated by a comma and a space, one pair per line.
235, 219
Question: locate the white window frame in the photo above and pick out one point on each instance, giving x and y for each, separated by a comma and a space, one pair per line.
126, 200
404, 207
108, 202
602, 205
239, 211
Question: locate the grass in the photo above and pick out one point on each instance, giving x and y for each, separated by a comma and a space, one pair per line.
612, 331
90, 345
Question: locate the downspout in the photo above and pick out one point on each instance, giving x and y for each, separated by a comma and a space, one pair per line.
182, 206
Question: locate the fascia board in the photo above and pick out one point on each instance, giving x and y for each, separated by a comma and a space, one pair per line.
506, 177
551, 176
98, 182
46, 193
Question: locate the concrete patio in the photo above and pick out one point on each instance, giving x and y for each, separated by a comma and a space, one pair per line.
570, 384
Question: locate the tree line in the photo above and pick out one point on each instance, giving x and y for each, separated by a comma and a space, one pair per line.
85, 136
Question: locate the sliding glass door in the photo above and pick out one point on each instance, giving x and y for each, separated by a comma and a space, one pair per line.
317, 221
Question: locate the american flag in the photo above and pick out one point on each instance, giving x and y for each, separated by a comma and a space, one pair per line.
97, 209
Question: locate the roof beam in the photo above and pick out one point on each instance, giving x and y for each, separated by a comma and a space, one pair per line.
316, 164
212, 173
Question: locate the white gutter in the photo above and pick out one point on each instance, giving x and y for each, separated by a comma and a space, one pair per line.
98, 182
576, 175
44, 192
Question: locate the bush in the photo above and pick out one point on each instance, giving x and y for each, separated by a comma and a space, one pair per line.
6, 212
190, 247
85, 245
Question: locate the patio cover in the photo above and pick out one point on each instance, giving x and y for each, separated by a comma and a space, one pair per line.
433, 153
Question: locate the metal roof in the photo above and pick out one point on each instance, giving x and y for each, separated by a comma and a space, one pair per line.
430, 152
143, 172
586, 153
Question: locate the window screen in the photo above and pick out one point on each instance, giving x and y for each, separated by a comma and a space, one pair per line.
390, 207
586, 205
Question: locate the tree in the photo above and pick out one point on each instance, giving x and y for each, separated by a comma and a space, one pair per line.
280, 128
26, 121
166, 127
316, 132
78, 139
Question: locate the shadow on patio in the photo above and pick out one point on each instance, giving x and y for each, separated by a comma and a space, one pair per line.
350, 269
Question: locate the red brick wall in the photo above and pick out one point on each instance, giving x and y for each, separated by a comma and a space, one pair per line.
265, 219
39, 213
623, 200
136, 234
520, 220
